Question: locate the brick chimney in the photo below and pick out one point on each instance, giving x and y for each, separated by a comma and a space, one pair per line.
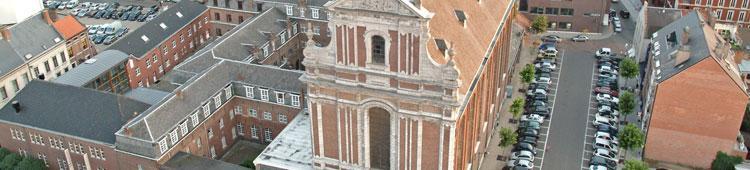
685, 37
5, 33
50, 15
417, 3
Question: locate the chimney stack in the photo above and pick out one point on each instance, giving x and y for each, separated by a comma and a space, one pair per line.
16, 106
5, 33
417, 3
685, 36
50, 15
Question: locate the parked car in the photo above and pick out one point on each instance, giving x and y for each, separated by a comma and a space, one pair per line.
109, 31
624, 14
538, 103
607, 97
538, 86
524, 147
529, 125
98, 39
93, 29
110, 39
607, 69
121, 31
618, 27
125, 15
522, 155
606, 90
551, 38
150, 17
603, 52
532, 118
609, 129
598, 167
528, 132
604, 144
606, 136
545, 80
599, 120
598, 161
604, 153
531, 140
71, 4
546, 64
134, 15
142, 17
521, 162
580, 38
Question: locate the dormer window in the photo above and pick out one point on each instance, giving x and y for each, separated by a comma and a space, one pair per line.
461, 17
378, 50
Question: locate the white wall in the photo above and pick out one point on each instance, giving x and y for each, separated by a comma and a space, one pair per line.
13, 11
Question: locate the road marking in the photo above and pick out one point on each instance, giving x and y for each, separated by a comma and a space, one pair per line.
583, 154
562, 59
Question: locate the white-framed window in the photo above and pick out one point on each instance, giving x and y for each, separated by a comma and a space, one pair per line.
733, 3
165, 50
280, 97
240, 129
173, 136
253, 112
268, 135
721, 3
718, 14
742, 16
697, 2
167, 63
206, 110
254, 131
265, 50
228, 92
289, 10
730, 15
156, 58
194, 118
744, 3
301, 12
174, 44
295, 100
264, 94
267, 116
224, 143
314, 13
210, 133
316, 30
184, 128
282, 118
217, 100
221, 123
249, 92
282, 35
137, 71
161, 69
163, 145
213, 152
237, 110
234, 132
148, 63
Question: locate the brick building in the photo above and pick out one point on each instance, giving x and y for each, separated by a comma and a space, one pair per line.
106, 72
408, 85
694, 96
728, 14
160, 44
569, 15
76, 38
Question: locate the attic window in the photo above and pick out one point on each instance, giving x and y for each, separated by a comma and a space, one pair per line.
163, 26
57, 40
144, 38
657, 64
441, 45
179, 14
461, 16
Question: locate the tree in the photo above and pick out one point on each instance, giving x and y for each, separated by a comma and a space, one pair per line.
539, 24
28, 163
628, 68
248, 164
10, 161
631, 137
517, 107
724, 161
507, 137
527, 74
632, 164
627, 103
4, 152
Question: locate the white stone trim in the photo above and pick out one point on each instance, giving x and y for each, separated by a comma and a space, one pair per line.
373, 31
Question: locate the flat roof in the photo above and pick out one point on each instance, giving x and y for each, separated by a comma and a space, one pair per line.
92, 68
292, 149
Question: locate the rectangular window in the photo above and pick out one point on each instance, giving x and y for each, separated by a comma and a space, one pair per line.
210, 133
289, 10
206, 110
733, 3
252, 112
221, 123
744, 3
314, 13
14, 84
254, 132
194, 118
268, 135
267, 116
264, 94
217, 101
47, 66
223, 143
718, 14
566, 11
161, 69
316, 30
173, 136
229, 18
182, 39
237, 110
730, 15
241, 19
536, 10
167, 63
174, 44
184, 128
240, 129
3, 93
164, 49
551, 11
54, 61
721, 3
213, 152
217, 17
295, 100
742, 16
148, 63
137, 71
163, 145
282, 118
228, 92
239, 5
62, 56
279, 97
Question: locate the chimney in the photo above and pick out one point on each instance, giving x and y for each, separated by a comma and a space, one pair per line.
50, 15
417, 3
16, 106
5, 33
685, 36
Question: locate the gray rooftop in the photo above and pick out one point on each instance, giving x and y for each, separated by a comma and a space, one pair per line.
28, 37
186, 161
292, 148
697, 44
70, 110
147, 95
92, 68
135, 45
251, 34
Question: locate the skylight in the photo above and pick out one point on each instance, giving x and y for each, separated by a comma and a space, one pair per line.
144, 38
179, 14
163, 26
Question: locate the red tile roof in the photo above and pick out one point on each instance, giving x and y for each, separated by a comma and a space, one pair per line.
68, 27
696, 113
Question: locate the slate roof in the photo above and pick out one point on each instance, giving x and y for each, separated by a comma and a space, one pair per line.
134, 44
31, 36
698, 47
147, 95
255, 32
70, 110
186, 161
87, 72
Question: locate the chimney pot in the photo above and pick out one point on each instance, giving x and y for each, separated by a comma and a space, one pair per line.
16, 106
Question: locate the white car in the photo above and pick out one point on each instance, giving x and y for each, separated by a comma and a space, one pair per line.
580, 38
544, 80
605, 116
545, 64
526, 155
603, 120
532, 117
604, 52
536, 91
606, 136
604, 153
607, 69
521, 162
607, 97
609, 76
618, 27
597, 167
605, 144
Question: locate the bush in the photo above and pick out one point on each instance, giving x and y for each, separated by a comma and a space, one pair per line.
29, 163
539, 24
10, 161
4, 152
724, 161
507, 137
635, 165
248, 164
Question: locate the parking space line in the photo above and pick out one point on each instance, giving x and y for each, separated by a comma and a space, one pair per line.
552, 111
583, 154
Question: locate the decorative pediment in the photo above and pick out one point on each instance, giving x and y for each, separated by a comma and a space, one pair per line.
398, 7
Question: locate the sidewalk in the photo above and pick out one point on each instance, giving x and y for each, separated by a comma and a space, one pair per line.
492, 159
565, 35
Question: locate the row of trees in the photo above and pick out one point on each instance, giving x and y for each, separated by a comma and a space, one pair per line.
13, 161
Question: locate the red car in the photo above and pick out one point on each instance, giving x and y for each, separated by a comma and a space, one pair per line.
606, 90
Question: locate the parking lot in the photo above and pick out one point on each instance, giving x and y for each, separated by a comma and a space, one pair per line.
104, 14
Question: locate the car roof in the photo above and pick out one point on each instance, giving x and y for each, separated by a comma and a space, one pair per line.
599, 140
